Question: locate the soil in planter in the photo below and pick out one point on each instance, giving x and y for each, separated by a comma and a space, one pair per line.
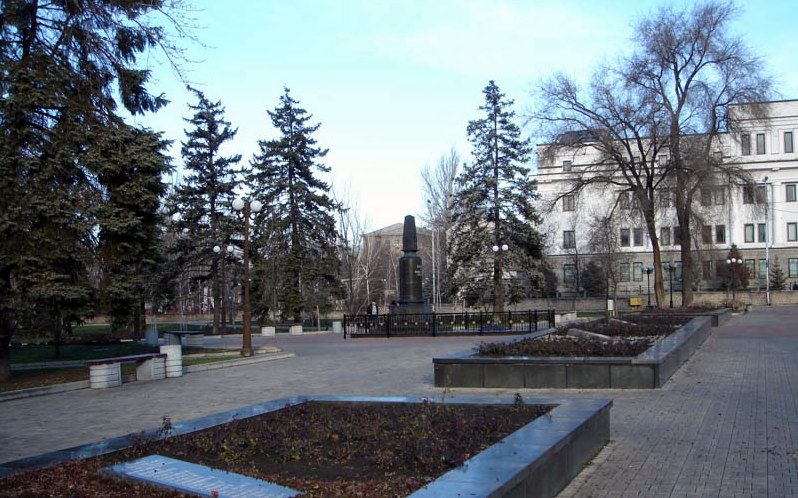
630, 335
321, 449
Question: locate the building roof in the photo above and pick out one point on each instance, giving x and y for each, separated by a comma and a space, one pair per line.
395, 230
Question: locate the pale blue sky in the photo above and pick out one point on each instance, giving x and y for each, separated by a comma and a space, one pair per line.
394, 83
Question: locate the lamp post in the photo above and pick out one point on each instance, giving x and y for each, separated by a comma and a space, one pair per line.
432, 226
768, 238
246, 207
734, 263
671, 268
648, 269
498, 277
223, 280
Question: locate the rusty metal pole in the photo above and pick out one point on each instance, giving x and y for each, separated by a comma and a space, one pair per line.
246, 348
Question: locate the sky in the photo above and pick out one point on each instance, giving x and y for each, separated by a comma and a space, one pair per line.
394, 83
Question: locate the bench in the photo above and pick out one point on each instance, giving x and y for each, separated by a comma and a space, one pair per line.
187, 338
107, 372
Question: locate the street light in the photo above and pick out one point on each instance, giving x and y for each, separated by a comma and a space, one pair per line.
498, 277
671, 268
648, 269
246, 207
734, 263
432, 225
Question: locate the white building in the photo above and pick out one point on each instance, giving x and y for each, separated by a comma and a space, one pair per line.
751, 218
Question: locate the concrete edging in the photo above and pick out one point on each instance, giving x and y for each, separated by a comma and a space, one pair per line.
42, 390
539, 459
649, 370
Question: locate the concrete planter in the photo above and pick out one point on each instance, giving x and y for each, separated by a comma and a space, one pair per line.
539, 459
337, 327
106, 375
295, 330
174, 359
648, 370
268, 331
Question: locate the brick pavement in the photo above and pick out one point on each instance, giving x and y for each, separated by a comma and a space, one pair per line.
726, 424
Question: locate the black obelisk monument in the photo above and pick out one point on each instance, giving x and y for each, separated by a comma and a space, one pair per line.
411, 297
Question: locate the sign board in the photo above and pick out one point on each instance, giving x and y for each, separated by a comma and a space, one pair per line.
199, 480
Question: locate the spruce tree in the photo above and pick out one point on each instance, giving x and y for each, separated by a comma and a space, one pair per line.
778, 280
129, 164
66, 66
296, 232
204, 199
494, 204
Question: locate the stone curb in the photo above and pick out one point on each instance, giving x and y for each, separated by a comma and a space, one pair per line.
234, 363
41, 391
84, 384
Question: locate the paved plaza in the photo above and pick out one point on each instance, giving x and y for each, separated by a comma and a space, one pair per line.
726, 424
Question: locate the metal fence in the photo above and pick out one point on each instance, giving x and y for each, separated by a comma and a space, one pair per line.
446, 324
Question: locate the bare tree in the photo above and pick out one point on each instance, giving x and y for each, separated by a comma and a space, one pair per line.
696, 70
439, 184
617, 132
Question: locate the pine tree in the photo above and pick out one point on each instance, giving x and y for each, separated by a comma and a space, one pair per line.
297, 231
778, 280
735, 275
494, 205
204, 199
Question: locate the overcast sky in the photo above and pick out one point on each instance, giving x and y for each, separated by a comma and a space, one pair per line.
394, 83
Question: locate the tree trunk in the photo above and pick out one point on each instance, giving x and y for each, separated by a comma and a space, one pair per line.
683, 216
6, 331
136, 321
57, 328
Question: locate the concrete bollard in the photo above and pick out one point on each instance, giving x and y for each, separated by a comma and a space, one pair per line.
107, 375
295, 330
268, 331
337, 328
174, 360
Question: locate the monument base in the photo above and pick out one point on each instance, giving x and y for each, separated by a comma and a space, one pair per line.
411, 309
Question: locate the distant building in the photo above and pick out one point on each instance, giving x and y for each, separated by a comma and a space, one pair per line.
752, 217
381, 251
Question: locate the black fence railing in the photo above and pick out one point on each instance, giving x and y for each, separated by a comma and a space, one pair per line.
445, 324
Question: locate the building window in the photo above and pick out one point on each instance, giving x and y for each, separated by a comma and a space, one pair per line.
569, 273
637, 271
792, 267
677, 236
760, 143
719, 266
665, 198
566, 165
792, 232
761, 232
663, 159
761, 194
789, 192
750, 266
706, 234
749, 232
788, 149
745, 144
637, 234
568, 239
720, 234
623, 200
625, 242
665, 236
706, 197
763, 268
748, 194
706, 270
719, 196
624, 272
568, 203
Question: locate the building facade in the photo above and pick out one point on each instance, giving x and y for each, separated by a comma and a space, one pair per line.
760, 218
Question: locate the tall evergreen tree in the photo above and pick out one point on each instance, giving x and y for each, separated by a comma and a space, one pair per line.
297, 230
65, 67
494, 205
130, 164
778, 280
204, 199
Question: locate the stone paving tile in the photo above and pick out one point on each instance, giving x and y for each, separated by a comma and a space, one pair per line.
726, 424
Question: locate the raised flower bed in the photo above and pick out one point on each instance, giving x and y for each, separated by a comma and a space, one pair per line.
345, 446
558, 360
